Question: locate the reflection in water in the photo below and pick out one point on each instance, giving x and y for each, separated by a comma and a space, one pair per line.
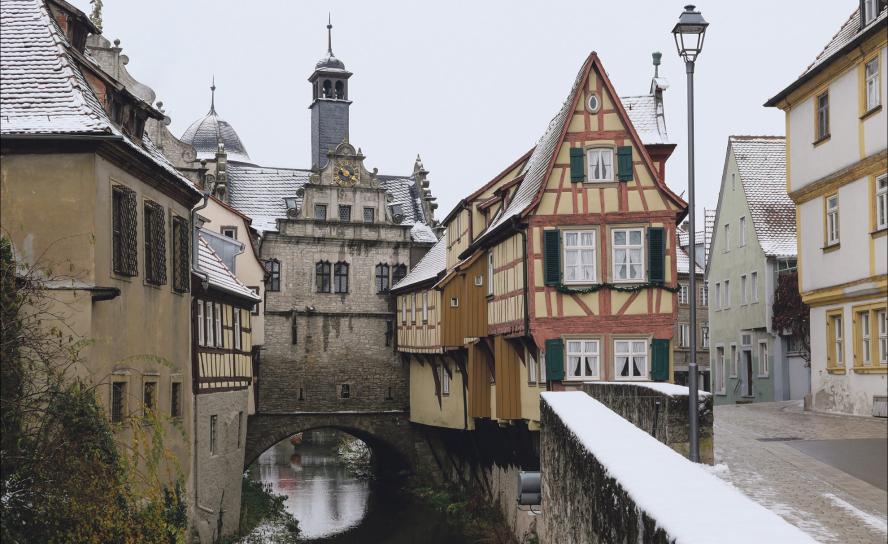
320, 492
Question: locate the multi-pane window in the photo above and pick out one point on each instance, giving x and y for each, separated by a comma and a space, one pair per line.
835, 356
200, 323
720, 370
682, 293
630, 359
490, 272
882, 320
118, 401
340, 277
882, 202
217, 314
208, 320
727, 237
870, 335
704, 294
213, 433
322, 276
532, 370
274, 275
123, 229
176, 399
149, 397
684, 335
369, 215
704, 335
628, 252
579, 256
753, 287
832, 220
345, 213
181, 263
823, 116
236, 322
398, 273
345, 391
764, 362
320, 212
601, 164
743, 295
425, 306
871, 81
229, 232
742, 232
870, 10
864, 334
382, 278
583, 360
155, 244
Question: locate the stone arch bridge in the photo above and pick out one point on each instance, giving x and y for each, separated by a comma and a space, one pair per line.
387, 433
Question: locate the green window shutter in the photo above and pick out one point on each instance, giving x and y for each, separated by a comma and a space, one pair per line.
660, 360
624, 163
555, 359
656, 255
577, 164
551, 257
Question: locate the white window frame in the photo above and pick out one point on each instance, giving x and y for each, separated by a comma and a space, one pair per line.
628, 247
532, 369
833, 234
404, 309
445, 380
704, 334
734, 354
871, 84
425, 306
490, 272
600, 154
645, 371
718, 295
542, 362
209, 340
704, 293
682, 293
727, 301
743, 295
236, 327
217, 314
727, 237
838, 341
764, 364
870, 10
882, 202
578, 348
741, 234
882, 325
721, 382
753, 287
684, 335
579, 249
866, 338
200, 323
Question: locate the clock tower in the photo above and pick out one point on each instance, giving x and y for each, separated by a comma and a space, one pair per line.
329, 105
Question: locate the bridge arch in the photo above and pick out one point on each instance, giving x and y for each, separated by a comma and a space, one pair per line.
388, 434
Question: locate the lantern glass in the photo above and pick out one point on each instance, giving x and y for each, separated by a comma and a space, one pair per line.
689, 33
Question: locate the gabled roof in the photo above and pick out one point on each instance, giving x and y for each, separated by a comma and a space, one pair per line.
761, 161
848, 36
683, 262
539, 165
219, 275
642, 112
43, 90
428, 268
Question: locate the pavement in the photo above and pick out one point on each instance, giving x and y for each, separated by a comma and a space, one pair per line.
827, 474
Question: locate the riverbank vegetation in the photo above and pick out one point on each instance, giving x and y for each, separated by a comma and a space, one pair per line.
263, 518
470, 513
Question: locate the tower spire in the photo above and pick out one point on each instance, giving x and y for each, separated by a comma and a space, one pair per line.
213, 95
329, 36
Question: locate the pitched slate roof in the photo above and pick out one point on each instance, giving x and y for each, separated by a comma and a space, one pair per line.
219, 275
683, 262
761, 161
433, 263
42, 89
642, 111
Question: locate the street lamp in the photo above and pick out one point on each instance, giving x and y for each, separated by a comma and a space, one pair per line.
689, 33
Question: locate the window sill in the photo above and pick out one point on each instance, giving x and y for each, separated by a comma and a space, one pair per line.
763, 376
870, 369
836, 370
831, 248
878, 233
875, 109
820, 140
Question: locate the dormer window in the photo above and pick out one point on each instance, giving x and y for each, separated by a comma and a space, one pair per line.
871, 10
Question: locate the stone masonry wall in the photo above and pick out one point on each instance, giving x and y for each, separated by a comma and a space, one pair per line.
638, 404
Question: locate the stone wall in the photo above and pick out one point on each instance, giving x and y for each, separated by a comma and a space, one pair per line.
637, 403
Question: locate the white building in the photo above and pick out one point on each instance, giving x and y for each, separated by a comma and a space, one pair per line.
836, 176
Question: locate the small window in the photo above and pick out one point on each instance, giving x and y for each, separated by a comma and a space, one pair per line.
454, 302
601, 164
682, 293
593, 103
864, 334
583, 359
345, 213
118, 401
835, 338
704, 335
340, 277
580, 255
230, 232
220, 340
479, 280
413, 308
704, 294
255, 309
382, 278
344, 391
882, 202
399, 271
630, 359
208, 320
742, 232
882, 321
123, 226
720, 370
322, 276
532, 370
445, 380
628, 253
213, 433
155, 244
369, 215
200, 324
870, 10
727, 237
235, 312
832, 220
743, 294
149, 397
425, 306
753, 287
822, 116
718, 295
733, 360
274, 275
727, 293
490, 272
320, 212
176, 399
684, 335
403, 309
871, 82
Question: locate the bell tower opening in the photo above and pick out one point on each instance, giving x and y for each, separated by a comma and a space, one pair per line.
330, 104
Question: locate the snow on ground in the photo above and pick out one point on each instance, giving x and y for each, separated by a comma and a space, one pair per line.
871, 520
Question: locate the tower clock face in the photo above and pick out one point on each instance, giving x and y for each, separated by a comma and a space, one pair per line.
345, 174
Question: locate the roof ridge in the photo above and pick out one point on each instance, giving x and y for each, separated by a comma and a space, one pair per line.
754, 137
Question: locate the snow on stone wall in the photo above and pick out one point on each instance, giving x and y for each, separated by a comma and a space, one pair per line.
606, 480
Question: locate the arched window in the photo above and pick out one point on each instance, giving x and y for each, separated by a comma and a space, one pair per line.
328, 89
322, 276
340, 277
340, 90
382, 278
274, 274
398, 273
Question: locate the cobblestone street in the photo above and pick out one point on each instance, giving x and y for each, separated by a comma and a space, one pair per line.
754, 451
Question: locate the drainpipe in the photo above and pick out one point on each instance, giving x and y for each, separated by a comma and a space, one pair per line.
206, 282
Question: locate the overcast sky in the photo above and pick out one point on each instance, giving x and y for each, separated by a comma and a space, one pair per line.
468, 85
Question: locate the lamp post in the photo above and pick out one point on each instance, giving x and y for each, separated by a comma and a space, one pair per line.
689, 33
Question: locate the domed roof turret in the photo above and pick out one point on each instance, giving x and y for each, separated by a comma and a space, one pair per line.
207, 133
330, 62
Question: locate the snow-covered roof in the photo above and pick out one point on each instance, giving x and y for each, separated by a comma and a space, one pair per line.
219, 275
683, 237
207, 133
42, 89
668, 389
761, 161
686, 501
683, 262
642, 111
433, 263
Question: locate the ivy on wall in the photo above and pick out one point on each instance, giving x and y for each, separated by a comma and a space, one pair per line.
634, 288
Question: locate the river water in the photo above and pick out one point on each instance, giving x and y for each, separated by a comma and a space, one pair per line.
335, 506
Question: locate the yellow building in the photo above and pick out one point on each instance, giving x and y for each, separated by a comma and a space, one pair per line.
836, 164
89, 201
560, 270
